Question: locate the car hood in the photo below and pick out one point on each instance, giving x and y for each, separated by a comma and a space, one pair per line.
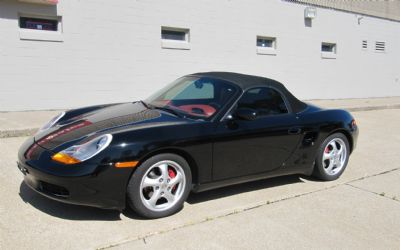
101, 120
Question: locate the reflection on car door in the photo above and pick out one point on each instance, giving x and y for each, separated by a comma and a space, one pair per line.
249, 147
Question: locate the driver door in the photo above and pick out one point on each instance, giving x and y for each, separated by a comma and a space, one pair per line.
245, 147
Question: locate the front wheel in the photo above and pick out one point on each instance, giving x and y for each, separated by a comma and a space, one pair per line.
159, 187
332, 157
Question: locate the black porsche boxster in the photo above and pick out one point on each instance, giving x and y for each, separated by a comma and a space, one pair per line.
203, 131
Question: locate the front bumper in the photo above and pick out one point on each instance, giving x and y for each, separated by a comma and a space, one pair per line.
103, 187
86, 190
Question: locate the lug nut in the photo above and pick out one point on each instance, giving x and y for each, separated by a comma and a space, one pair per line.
168, 180
162, 193
161, 179
157, 188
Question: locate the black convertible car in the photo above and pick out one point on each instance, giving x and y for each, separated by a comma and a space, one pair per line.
203, 131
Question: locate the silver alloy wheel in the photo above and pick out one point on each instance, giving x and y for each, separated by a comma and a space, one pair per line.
334, 156
162, 186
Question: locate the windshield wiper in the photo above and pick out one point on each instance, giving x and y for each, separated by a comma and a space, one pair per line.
145, 104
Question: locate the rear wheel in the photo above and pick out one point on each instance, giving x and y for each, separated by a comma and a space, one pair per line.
332, 157
160, 186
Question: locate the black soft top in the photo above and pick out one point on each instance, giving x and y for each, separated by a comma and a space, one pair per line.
248, 81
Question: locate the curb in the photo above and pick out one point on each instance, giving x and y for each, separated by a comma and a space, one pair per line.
369, 108
31, 131
18, 132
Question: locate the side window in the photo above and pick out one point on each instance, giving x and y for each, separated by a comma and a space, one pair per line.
265, 100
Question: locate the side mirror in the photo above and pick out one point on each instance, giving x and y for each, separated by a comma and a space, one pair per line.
247, 114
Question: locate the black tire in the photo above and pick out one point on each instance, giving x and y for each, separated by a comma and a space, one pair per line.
319, 171
134, 197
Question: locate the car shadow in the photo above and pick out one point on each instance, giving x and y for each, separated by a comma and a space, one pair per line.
76, 212
242, 188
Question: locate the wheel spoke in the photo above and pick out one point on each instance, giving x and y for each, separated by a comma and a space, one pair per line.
340, 150
169, 196
177, 179
149, 182
154, 198
334, 146
327, 156
343, 156
164, 171
330, 166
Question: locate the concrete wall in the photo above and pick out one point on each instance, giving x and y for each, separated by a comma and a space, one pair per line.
111, 50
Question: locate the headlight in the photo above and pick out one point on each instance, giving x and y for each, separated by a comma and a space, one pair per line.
52, 122
83, 152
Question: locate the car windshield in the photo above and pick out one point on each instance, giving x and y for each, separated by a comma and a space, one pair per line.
200, 97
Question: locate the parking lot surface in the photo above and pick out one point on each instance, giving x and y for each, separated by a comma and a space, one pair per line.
360, 210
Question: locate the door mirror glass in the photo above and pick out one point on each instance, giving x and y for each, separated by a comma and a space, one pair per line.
247, 114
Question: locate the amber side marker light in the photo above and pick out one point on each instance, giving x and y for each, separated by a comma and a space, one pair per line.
353, 123
126, 164
65, 159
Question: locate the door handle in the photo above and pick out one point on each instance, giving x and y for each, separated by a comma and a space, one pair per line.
294, 131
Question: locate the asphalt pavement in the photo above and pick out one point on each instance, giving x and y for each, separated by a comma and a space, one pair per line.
361, 210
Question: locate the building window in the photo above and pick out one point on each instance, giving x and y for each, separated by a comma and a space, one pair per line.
267, 42
38, 23
328, 50
40, 28
364, 44
175, 38
328, 47
266, 45
380, 46
173, 35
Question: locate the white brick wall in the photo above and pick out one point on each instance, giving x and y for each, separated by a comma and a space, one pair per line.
111, 50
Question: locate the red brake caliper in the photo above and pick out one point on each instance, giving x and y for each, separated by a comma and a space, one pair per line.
172, 174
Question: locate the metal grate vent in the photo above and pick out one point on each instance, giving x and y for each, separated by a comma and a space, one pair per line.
365, 44
380, 46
